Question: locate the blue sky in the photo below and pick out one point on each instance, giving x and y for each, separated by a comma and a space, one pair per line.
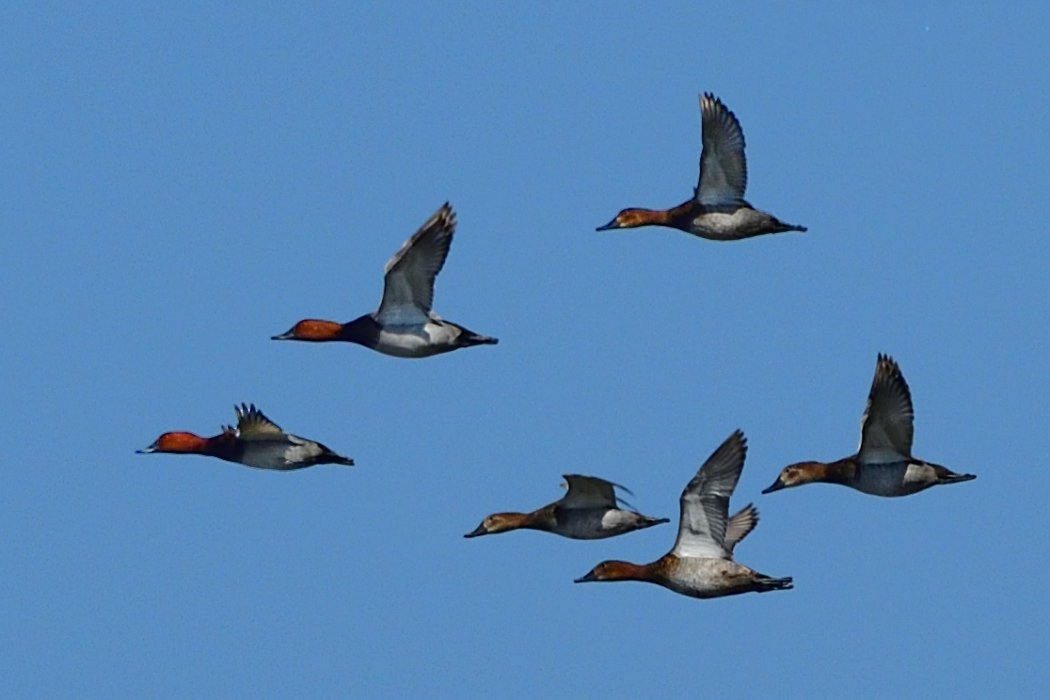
180, 183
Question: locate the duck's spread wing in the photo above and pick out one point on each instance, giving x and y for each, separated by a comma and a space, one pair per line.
705, 502
887, 428
408, 288
723, 168
588, 492
253, 425
740, 526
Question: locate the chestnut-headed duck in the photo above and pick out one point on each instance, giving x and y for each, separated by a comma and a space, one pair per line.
588, 511
404, 325
701, 564
717, 210
883, 465
256, 442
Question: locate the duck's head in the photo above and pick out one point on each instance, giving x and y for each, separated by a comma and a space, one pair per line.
499, 522
629, 218
797, 475
312, 330
613, 570
177, 442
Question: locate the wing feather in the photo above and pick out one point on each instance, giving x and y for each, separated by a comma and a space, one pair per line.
887, 427
740, 526
705, 502
253, 425
588, 492
408, 287
723, 167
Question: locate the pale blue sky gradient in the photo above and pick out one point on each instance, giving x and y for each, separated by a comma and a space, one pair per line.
179, 183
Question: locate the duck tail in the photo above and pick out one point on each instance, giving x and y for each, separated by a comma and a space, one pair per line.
947, 476
953, 478
790, 227
765, 583
470, 338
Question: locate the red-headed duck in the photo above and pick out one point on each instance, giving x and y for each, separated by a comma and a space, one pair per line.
256, 442
404, 325
717, 210
588, 511
701, 564
883, 465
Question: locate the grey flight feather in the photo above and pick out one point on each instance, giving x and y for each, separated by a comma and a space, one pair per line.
408, 288
723, 167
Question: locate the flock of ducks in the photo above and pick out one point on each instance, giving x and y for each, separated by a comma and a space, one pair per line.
701, 562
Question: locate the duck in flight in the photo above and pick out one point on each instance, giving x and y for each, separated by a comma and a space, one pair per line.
590, 510
255, 442
405, 324
717, 210
701, 563
883, 465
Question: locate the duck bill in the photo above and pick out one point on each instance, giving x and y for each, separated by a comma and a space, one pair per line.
777, 485
611, 225
587, 579
149, 450
283, 336
477, 532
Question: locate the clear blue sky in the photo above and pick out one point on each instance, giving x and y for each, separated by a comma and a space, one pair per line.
180, 183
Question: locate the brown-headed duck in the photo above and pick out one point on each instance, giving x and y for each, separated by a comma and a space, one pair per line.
717, 211
883, 464
405, 324
701, 563
256, 442
588, 511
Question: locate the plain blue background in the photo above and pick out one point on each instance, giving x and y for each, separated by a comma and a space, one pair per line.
181, 182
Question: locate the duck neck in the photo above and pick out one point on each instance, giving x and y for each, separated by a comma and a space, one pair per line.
681, 217
542, 519
626, 571
654, 217
840, 472
225, 446
363, 331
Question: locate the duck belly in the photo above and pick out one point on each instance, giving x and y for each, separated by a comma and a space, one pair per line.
726, 226
266, 454
710, 578
416, 341
896, 479
586, 523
